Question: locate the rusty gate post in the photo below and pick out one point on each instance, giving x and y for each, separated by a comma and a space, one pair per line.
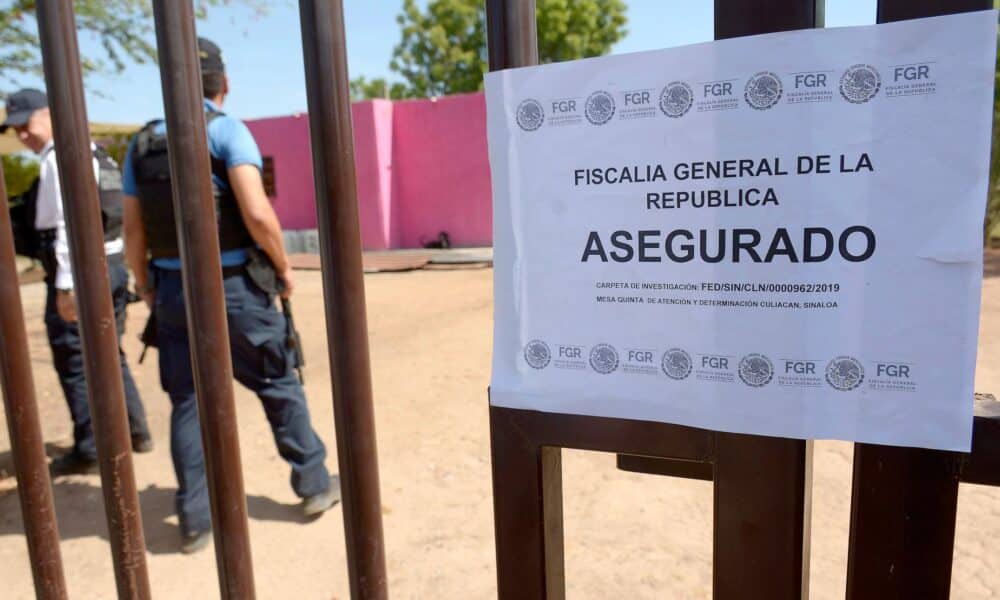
528, 512
762, 484
325, 56
904, 500
33, 486
204, 298
511, 34
105, 389
527, 479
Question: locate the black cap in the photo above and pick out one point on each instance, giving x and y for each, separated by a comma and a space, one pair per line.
210, 57
20, 106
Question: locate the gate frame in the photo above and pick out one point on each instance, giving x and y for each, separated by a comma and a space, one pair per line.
756, 478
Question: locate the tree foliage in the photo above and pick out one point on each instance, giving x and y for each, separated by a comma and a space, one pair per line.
442, 49
18, 172
123, 28
993, 208
366, 89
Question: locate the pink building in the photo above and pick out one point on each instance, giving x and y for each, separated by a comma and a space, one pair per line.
421, 165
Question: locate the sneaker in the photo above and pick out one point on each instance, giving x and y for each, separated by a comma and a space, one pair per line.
323, 501
195, 541
142, 443
72, 463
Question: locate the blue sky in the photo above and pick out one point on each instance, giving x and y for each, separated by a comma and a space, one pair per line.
264, 55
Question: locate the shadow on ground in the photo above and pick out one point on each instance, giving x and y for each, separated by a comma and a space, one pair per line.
80, 510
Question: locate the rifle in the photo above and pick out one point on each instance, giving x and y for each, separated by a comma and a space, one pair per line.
292, 339
148, 336
261, 271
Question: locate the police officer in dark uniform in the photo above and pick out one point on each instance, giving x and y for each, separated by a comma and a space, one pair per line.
249, 234
40, 232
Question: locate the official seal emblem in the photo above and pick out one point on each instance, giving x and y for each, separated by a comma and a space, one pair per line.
604, 358
845, 373
530, 115
763, 90
676, 363
537, 354
860, 83
756, 370
676, 99
600, 107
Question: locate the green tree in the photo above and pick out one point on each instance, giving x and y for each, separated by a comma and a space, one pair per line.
992, 230
18, 173
124, 29
443, 48
367, 89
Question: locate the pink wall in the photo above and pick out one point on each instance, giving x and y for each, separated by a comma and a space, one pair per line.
421, 168
286, 140
442, 171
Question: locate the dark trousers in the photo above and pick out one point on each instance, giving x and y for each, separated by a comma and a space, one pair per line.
262, 362
67, 355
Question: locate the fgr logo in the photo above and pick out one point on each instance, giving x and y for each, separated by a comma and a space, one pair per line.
563, 106
637, 98
800, 367
600, 107
756, 370
810, 80
763, 90
604, 358
845, 373
892, 370
676, 99
570, 352
709, 361
537, 354
910, 73
914, 79
860, 83
717, 89
530, 115
676, 363
810, 87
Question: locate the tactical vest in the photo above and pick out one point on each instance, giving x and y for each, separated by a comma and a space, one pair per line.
151, 165
28, 241
109, 190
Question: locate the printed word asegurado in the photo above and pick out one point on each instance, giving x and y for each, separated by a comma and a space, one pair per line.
813, 244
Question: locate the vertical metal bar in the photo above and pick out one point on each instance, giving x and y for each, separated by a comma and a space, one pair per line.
325, 55
904, 500
899, 10
204, 298
762, 514
527, 509
105, 389
33, 486
735, 18
903, 509
511, 34
527, 479
762, 485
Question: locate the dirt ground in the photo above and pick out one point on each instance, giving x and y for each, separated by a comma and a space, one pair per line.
627, 535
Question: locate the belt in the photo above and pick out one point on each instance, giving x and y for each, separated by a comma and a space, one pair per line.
47, 238
226, 271
233, 270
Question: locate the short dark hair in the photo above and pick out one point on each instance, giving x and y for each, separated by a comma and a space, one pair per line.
212, 84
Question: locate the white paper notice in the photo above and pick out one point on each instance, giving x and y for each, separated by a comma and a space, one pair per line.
778, 235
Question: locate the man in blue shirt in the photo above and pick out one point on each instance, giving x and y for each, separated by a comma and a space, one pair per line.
262, 361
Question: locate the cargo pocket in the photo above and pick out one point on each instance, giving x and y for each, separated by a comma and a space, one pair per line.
259, 343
